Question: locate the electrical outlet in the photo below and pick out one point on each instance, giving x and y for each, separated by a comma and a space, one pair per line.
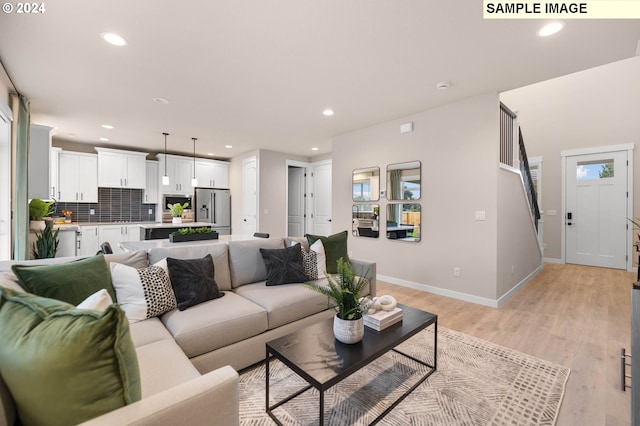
150, 211
92, 211
456, 271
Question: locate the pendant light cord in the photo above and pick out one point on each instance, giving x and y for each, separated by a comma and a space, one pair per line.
165, 152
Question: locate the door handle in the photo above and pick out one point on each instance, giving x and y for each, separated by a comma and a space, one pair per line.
328, 220
569, 218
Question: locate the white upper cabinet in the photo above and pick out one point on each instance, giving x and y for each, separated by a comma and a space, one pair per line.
53, 173
121, 169
180, 172
77, 177
212, 174
150, 195
39, 162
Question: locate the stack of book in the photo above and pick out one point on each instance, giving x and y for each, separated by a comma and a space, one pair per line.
383, 319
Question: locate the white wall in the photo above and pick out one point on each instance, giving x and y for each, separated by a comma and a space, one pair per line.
592, 108
458, 147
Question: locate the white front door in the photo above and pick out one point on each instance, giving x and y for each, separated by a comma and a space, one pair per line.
596, 209
296, 201
249, 196
322, 199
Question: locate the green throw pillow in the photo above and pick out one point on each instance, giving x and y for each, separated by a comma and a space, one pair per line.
64, 365
71, 282
335, 247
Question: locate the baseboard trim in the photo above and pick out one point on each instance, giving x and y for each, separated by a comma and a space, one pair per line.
439, 291
517, 287
459, 295
553, 260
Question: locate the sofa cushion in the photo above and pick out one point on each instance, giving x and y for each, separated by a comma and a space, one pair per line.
335, 247
64, 365
9, 280
292, 241
163, 365
216, 323
136, 259
284, 303
193, 281
284, 266
218, 251
145, 292
148, 331
71, 282
245, 260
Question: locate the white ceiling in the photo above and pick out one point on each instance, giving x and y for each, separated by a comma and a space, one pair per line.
259, 73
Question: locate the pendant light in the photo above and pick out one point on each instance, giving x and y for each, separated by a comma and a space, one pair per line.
165, 178
194, 181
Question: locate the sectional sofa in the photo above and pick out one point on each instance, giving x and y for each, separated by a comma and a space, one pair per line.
189, 359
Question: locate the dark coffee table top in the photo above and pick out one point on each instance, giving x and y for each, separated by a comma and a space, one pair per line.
315, 354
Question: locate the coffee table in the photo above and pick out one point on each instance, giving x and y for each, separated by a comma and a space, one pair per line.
315, 355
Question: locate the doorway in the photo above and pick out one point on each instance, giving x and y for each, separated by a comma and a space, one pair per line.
596, 207
308, 203
296, 201
249, 196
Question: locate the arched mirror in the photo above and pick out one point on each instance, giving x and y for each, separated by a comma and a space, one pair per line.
404, 221
366, 184
403, 181
365, 220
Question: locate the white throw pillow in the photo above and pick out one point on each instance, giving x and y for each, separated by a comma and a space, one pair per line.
318, 248
98, 301
143, 293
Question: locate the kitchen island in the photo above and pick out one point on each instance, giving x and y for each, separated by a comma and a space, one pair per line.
163, 243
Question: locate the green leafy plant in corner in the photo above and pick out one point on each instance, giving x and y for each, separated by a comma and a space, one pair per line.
46, 244
189, 231
177, 209
39, 209
344, 291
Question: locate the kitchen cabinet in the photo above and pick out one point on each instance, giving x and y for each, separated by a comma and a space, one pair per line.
66, 242
39, 163
121, 169
115, 234
53, 172
150, 195
212, 174
77, 177
180, 172
89, 241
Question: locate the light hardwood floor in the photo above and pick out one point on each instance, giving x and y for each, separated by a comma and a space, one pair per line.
572, 315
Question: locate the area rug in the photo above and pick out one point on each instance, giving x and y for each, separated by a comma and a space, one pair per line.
476, 383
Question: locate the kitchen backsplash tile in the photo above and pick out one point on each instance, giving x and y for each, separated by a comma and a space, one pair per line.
114, 204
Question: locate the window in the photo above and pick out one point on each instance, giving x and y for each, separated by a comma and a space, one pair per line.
595, 170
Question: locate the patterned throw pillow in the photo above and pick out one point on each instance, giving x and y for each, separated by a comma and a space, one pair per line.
143, 293
310, 263
284, 266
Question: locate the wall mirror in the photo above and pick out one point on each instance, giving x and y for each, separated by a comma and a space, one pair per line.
365, 220
404, 222
366, 184
403, 181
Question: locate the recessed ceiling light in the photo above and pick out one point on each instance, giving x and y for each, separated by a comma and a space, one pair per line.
228, 146
328, 112
104, 139
315, 148
113, 38
162, 101
71, 135
107, 126
443, 85
551, 28
209, 153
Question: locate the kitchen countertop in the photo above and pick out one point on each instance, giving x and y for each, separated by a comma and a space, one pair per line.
175, 225
74, 226
149, 244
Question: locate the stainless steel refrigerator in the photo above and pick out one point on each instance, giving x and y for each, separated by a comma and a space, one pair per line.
214, 206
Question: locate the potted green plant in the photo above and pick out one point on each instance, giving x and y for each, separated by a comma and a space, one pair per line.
38, 210
176, 211
193, 234
344, 293
46, 244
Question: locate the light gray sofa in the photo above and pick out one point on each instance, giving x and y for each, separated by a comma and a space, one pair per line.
188, 359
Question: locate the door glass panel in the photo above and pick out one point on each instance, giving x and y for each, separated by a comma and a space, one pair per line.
404, 222
595, 170
365, 220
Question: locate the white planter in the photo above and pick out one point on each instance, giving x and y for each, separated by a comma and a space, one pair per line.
348, 331
36, 225
177, 220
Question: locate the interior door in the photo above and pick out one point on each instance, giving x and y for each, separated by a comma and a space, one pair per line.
596, 209
249, 196
295, 209
322, 199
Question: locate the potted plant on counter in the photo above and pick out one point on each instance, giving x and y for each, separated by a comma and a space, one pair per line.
38, 210
46, 244
344, 293
176, 211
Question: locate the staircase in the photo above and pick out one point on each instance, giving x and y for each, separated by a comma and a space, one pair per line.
514, 155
